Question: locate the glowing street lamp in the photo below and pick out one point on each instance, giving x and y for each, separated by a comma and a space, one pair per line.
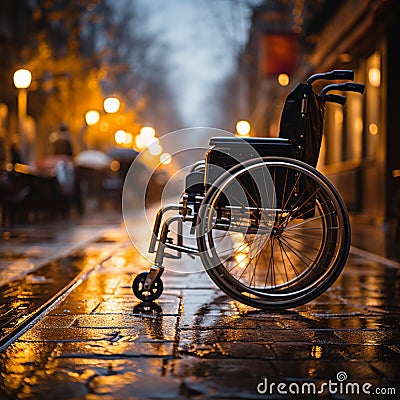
92, 117
165, 158
22, 80
128, 139
283, 79
139, 142
147, 132
243, 128
374, 77
147, 140
120, 136
155, 149
111, 105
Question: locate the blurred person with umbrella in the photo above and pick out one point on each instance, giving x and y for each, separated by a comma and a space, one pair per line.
93, 159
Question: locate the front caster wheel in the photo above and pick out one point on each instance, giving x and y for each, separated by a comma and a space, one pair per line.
146, 294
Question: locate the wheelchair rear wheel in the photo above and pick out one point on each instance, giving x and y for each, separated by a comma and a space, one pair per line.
273, 233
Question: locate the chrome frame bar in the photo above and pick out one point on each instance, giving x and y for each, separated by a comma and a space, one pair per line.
157, 223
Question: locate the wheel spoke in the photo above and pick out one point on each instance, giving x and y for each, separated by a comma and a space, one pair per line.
303, 235
297, 252
292, 192
287, 239
308, 221
288, 258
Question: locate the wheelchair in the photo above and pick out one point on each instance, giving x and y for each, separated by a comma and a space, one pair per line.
272, 232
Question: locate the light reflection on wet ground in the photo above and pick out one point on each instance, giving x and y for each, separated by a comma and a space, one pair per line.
23, 250
196, 342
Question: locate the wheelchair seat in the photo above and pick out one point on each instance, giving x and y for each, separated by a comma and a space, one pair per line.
226, 152
253, 141
263, 146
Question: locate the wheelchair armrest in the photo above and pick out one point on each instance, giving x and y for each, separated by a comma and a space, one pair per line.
195, 183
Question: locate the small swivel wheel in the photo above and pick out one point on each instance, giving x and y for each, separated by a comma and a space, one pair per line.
146, 294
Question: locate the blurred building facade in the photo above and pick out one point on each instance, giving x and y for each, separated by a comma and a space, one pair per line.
79, 52
361, 141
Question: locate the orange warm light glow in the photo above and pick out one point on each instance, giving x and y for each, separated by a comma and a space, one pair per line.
165, 158
22, 78
374, 77
92, 117
111, 105
373, 129
283, 79
122, 137
243, 128
147, 132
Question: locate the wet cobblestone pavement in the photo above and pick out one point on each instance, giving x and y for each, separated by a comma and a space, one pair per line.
99, 342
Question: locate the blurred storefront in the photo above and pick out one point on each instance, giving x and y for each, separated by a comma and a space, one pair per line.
361, 140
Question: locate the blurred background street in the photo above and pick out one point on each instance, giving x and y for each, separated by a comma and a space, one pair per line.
89, 87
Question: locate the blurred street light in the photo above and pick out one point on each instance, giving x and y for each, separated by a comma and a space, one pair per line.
147, 139
22, 79
374, 77
111, 105
119, 136
243, 128
92, 117
122, 137
147, 132
155, 148
139, 142
373, 129
128, 139
283, 79
165, 158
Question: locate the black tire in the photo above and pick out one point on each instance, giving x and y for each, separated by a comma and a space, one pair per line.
146, 295
281, 260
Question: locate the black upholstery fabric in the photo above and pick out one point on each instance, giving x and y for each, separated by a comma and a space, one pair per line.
303, 127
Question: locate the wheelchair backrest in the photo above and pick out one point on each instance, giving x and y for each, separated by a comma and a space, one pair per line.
302, 122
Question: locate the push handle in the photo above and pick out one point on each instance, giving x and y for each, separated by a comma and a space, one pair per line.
335, 98
336, 74
345, 87
353, 87
340, 74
